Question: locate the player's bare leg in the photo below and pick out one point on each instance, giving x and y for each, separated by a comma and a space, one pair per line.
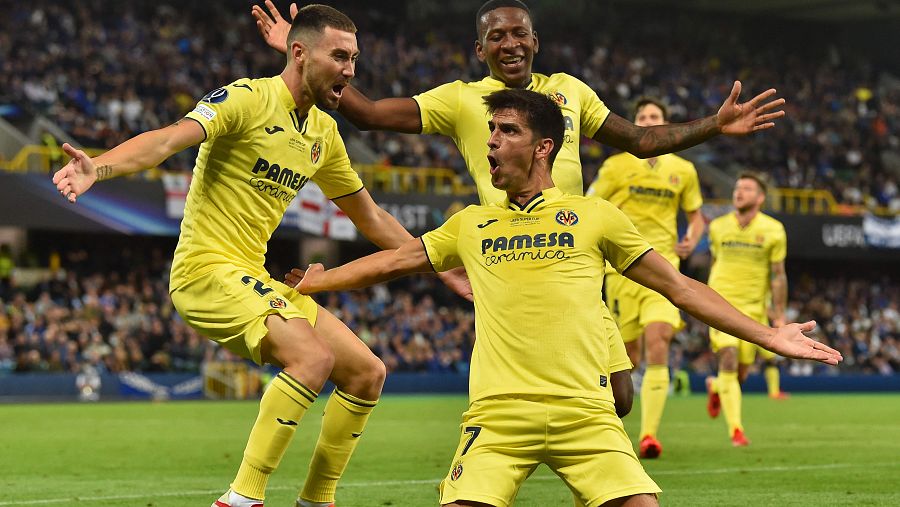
729, 388
359, 376
306, 361
642, 500
655, 386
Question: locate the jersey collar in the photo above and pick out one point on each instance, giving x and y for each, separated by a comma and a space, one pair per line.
287, 102
538, 202
500, 85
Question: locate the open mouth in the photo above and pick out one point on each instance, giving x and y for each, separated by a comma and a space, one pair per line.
492, 163
512, 61
338, 89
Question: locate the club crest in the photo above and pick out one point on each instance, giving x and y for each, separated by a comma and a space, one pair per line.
558, 98
277, 303
457, 471
315, 151
566, 217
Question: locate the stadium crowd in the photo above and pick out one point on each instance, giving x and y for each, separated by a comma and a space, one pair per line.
115, 314
107, 71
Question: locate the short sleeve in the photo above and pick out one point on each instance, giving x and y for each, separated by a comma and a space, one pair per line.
691, 199
336, 177
779, 246
442, 244
618, 356
439, 109
603, 184
593, 111
621, 243
713, 237
223, 111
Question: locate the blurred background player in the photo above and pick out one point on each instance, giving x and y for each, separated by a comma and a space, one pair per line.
748, 248
260, 141
650, 192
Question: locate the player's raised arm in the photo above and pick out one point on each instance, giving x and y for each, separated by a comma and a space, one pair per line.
273, 28
399, 114
696, 298
733, 119
141, 152
364, 272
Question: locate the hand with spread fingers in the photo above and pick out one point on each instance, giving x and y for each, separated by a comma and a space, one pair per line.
736, 119
76, 177
790, 341
272, 26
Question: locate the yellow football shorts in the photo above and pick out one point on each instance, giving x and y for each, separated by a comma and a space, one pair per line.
229, 306
746, 350
634, 306
504, 439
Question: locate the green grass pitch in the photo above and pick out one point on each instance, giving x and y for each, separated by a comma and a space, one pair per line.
809, 450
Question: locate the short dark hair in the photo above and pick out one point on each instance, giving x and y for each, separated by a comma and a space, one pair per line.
314, 18
756, 176
643, 101
542, 115
497, 4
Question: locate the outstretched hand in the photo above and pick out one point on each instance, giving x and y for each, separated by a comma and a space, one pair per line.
790, 341
736, 119
273, 28
76, 177
303, 281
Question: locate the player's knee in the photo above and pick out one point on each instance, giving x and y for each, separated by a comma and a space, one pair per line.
728, 359
366, 379
373, 374
312, 359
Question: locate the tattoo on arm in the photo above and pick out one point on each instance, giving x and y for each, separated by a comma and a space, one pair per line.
653, 141
104, 172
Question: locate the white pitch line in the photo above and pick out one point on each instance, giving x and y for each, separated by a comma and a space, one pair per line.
414, 482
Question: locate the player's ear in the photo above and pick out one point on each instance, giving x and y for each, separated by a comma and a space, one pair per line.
544, 148
537, 44
299, 52
479, 51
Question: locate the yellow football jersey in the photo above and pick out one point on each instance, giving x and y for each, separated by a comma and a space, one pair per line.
743, 258
257, 154
457, 110
651, 195
536, 273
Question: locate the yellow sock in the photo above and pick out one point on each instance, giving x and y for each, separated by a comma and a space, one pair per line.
730, 394
714, 384
654, 391
345, 418
280, 410
773, 380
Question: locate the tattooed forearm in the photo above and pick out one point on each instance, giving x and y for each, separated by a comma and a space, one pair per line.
104, 172
653, 141
676, 137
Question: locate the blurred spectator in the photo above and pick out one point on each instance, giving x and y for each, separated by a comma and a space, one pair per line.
106, 71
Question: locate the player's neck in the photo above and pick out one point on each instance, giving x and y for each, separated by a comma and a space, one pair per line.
538, 183
294, 81
746, 216
519, 84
